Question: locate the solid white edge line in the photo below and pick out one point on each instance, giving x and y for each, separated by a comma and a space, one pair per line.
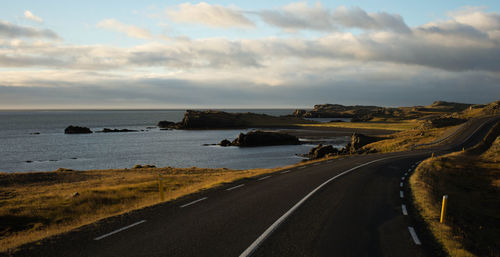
286, 171
193, 202
276, 224
401, 184
401, 194
403, 208
266, 177
231, 188
414, 236
119, 230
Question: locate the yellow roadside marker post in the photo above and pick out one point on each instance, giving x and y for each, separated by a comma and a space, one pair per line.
160, 188
443, 209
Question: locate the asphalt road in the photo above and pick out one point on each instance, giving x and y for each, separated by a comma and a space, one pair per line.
346, 207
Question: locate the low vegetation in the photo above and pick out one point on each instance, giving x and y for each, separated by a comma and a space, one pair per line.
393, 126
471, 179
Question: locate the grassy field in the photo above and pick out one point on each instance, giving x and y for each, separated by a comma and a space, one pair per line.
394, 126
472, 183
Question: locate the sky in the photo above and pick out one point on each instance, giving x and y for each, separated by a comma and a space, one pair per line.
246, 54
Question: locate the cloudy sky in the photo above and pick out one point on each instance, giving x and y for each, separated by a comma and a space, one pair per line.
176, 54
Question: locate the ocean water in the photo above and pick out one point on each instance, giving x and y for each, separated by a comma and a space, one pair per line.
23, 150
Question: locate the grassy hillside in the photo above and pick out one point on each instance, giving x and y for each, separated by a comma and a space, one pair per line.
471, 179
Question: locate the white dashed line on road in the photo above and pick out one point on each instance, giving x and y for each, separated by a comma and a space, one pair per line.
286, 171
401, 194
119, 230
193, 202
401, 184
403, 208
266, 177
414, 236
231, 188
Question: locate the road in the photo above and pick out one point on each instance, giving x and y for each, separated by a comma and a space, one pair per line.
351, 206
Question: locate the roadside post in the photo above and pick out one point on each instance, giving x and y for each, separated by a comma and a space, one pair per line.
160, 188
443, 209
432, 156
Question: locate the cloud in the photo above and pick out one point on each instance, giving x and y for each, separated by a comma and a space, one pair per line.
300, 16
30, 16
458, 58
129, 30
209, 15
9, 30
356, 17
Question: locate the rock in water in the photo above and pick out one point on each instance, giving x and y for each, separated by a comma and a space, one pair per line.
225, 142
321, 151
107, 130
262, 138
77, 130
166, 124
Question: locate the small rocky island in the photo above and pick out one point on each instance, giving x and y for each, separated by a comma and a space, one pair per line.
261, 138
213, 119
77, 130
107, 130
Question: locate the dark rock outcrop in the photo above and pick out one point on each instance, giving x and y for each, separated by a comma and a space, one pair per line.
166, 124
321, 151
358, 141
213, 119
299, 113
225, 142
77, 130
107, 130
263, 138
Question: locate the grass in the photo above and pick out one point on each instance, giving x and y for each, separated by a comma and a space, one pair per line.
394, 126
405, 140
472, 183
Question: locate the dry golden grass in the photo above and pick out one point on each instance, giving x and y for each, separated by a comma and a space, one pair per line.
405, 140
395, 126
471, 182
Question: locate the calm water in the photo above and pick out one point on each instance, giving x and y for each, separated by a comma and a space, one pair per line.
20, 150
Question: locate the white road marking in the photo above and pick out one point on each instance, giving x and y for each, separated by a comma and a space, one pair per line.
193, 202
403, 208
119, 230
402, 178
406, 173
414, 236
301, 167
266, 177
409, 170
276, 224
231, 188
286, 171
401, 194
401, 184
316, 164
329, 161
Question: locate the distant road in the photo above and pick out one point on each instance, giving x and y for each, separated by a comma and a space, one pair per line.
353, 206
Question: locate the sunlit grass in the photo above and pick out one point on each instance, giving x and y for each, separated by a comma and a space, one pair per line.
395, 126
472, 184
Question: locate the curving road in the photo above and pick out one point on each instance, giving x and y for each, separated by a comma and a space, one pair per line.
355, 206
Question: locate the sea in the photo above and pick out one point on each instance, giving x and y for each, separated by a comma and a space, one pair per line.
35, 141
